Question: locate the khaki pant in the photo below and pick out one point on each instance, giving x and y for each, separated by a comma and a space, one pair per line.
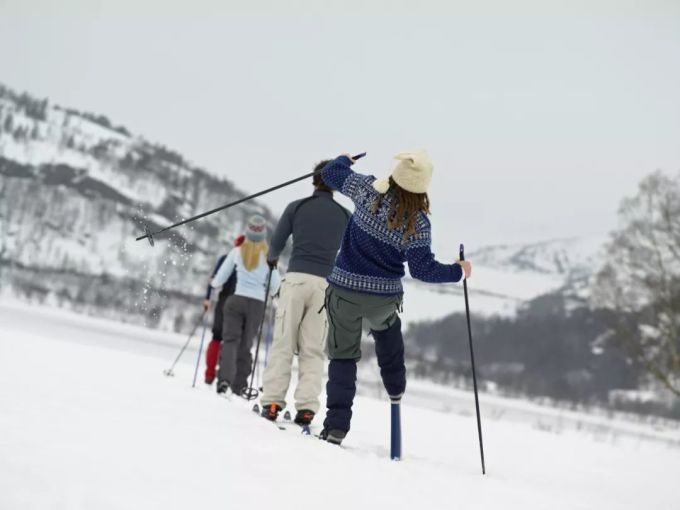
300, 329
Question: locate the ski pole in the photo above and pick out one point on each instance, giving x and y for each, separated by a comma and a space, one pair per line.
200, 350
169, 372
472, 360
395, 436
150, 235
250, 393
268, 341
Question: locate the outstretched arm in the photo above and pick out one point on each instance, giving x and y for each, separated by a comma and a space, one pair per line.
421, 262
423, 266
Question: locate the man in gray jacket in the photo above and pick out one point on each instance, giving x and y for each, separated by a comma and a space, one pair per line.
317, 224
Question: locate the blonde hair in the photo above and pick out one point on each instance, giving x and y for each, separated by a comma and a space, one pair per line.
251, 253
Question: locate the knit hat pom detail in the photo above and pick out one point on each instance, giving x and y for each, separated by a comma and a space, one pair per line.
381, 185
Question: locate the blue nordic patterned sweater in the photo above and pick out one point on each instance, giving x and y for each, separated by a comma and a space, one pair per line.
372, 256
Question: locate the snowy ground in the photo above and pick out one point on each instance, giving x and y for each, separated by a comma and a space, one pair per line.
88, 421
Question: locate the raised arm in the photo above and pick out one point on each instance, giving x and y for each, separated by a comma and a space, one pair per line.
339, 175
336, 172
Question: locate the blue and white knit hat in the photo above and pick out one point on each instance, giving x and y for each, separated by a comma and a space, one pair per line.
256, 229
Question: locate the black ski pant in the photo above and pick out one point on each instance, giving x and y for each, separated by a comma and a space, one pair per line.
218, 317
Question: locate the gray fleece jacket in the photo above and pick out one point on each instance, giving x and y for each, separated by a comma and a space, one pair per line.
317, 224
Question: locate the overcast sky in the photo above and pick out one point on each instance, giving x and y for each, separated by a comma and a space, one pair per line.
539, 118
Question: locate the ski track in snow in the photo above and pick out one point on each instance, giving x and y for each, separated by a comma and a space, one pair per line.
88, 421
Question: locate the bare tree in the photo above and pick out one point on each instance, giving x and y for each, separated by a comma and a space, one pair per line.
641, 279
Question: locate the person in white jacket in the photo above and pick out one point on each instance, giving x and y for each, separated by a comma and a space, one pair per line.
243, 311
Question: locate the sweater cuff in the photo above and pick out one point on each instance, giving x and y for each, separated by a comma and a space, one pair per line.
458, 272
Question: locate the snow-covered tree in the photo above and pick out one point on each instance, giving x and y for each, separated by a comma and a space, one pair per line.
9, 123
641, 279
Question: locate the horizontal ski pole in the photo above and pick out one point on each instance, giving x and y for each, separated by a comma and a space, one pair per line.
150, 235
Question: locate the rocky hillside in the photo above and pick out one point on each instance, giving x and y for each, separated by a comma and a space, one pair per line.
74, 192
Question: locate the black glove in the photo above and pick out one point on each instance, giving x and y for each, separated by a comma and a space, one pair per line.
273, 263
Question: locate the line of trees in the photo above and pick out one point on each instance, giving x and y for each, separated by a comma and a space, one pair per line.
641, 279
624, 338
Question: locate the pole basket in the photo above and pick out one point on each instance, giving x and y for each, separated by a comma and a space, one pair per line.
250, 393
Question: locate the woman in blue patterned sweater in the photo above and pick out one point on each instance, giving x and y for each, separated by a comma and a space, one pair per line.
389, 227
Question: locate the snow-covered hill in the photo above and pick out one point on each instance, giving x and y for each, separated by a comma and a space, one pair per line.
89, 421
75, 191
505, 277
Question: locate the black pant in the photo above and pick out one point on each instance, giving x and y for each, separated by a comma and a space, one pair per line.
218, 318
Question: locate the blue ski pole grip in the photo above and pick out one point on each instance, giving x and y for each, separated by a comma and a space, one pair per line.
462, 252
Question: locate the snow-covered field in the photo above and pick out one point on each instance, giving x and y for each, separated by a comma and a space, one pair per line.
88, 421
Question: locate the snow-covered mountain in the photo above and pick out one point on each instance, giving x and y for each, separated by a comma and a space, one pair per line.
505, 277
74, 192
554, 257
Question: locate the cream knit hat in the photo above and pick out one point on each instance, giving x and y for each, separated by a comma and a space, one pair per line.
413, 173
